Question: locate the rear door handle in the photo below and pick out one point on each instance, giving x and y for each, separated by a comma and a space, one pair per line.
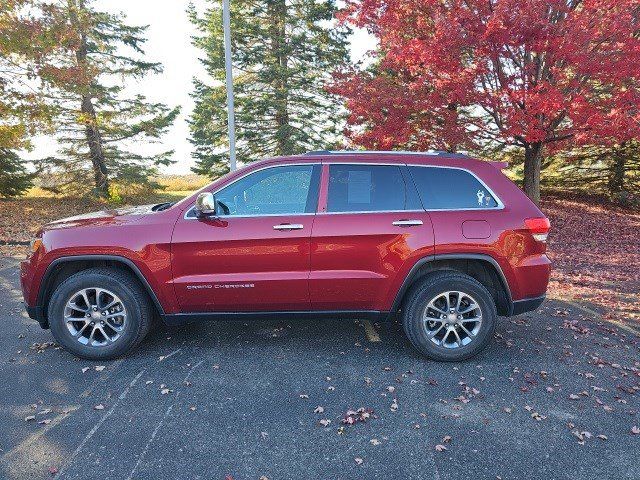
288, 226
407, 223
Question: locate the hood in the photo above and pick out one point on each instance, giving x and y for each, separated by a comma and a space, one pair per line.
113, 216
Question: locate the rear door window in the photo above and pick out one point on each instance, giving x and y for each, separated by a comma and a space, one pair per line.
366, 188
451, 189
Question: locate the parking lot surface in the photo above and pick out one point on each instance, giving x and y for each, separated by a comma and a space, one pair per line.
555, 396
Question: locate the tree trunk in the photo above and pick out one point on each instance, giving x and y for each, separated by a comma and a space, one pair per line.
94, 139
92, 133
532, 163
277, 11
617, 171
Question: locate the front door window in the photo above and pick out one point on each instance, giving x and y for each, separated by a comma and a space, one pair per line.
286, 190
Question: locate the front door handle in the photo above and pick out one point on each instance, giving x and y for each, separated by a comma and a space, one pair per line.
288, 226
407, 223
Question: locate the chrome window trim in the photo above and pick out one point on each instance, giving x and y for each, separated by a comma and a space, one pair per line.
303, 164
371, 211
499, 206
254, 216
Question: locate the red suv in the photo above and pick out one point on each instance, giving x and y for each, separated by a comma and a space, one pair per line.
445, 240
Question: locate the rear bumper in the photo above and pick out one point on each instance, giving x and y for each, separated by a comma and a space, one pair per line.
526, 305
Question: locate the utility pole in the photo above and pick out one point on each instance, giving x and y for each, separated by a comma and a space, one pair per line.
226, 20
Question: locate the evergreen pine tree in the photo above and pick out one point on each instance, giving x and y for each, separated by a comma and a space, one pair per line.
27, 38
99, 123
284, 52
14, 178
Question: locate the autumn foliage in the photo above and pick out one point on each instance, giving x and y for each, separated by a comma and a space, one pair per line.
540, 75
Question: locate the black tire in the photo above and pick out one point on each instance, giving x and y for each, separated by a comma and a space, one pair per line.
135, 299
433, 285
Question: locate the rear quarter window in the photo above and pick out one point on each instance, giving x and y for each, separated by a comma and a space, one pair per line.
451, 189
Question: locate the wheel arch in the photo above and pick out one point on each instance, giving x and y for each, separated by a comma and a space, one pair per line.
483, 268
62, 268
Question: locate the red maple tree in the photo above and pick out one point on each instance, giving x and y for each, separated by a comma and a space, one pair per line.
535, 74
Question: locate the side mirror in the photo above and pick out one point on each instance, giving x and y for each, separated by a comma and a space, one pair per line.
205, 205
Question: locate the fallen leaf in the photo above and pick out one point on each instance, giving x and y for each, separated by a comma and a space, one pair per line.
440, 448
354, 416
318, 409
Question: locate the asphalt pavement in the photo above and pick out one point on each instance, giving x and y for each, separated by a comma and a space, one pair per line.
555, 396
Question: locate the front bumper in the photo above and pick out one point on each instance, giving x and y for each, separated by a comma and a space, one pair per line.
37, 313
27, 274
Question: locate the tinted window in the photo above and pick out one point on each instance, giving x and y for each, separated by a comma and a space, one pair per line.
277, 190
449, 188
366, 188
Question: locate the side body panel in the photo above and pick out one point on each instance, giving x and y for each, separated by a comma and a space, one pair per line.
237, 264
357, 260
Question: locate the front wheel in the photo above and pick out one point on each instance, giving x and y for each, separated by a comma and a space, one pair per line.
449, 316
100, 313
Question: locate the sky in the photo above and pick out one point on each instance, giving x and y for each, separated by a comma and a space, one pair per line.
169, 42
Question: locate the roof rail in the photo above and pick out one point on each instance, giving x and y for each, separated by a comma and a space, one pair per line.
319, 152
386, 152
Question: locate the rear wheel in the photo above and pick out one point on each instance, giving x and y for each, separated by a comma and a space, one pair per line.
100, 313
449, 316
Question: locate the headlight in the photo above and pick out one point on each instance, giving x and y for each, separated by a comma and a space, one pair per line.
34, 245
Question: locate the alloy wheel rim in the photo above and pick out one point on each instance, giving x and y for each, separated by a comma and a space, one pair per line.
95, 317
452, 319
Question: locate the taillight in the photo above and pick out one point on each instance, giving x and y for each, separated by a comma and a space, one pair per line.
539, 227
